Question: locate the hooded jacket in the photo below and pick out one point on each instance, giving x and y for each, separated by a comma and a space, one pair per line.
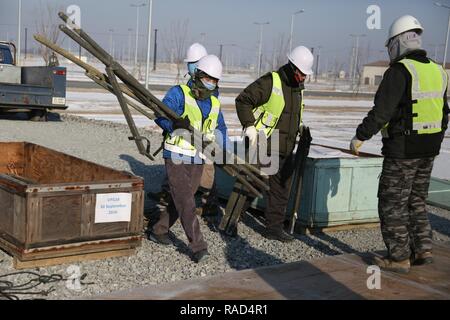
391, 104
258, 93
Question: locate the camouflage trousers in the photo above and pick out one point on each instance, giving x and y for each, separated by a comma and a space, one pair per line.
402, 192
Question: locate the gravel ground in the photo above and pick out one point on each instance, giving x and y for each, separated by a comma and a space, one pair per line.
107, 144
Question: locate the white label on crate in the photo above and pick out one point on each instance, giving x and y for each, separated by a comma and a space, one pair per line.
113, 207
58, 100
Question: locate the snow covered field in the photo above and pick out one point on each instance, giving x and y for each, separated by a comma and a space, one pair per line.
165, 75
332, 122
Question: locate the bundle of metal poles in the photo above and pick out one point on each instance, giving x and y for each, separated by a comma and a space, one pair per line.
140, 99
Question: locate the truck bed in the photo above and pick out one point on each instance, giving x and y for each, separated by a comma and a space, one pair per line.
29, 96
39, 88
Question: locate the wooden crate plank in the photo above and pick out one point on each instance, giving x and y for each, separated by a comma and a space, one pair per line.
34, 219
7, 212
110, 228
87, 214
16, 249
61, 217
12, 160
18, 264
80, 248
20, 227
137, 212
50, 166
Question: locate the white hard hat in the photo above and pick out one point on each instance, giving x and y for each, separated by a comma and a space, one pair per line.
403, 24
303, 59
195, 52
210, 65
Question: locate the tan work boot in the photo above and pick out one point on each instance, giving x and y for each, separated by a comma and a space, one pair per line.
394, 266
199, 211
420, 259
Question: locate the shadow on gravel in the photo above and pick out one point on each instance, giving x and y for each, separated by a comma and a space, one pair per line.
345, 248
439, 224
255, 221
24, 116
152, 173
153, 176
291, 281
241, 255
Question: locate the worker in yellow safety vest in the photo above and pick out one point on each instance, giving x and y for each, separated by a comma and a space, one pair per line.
197, 107
411, 111
275, 102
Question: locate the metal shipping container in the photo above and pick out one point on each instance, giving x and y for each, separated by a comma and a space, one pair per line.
338, 189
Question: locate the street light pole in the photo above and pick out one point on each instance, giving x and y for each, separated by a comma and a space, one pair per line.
137, 6
149, 36
129, 45
19, 26
220, 51
221, 45
261, 24
111, 42
446, 43
155, 47
355, 67
292, 27
26, 40
317, 63
436, 48
448, 31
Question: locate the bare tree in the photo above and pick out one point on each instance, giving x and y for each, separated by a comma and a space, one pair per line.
280, 50
338, 66
47, 25
175, 43
167, 47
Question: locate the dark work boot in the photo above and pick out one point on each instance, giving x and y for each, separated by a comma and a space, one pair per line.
210, 210
200, 256
279, 235
163, 197
160, 238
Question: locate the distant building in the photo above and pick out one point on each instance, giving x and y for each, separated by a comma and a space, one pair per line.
373, 72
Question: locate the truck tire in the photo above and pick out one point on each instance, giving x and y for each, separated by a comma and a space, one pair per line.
38, 115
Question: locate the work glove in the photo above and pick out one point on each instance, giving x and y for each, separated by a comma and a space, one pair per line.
301, 127
252, 135
181, 123
355, 144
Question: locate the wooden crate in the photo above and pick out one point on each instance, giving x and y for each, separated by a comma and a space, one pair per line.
48, 207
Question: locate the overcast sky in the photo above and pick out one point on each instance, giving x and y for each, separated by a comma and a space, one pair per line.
324, 23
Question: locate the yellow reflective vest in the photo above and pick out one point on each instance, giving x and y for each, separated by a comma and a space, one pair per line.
178, 144
268, 114
428, 85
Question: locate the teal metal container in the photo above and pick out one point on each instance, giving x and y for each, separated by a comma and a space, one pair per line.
338, 189
439, 193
